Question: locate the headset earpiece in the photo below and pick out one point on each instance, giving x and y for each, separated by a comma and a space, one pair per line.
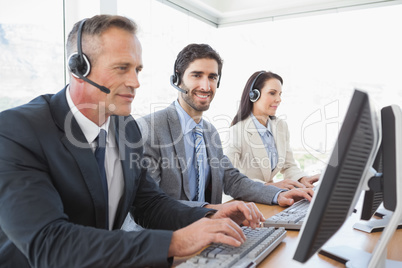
254, 92
77, 66
176, 77
78, 63
254, 95
175, 80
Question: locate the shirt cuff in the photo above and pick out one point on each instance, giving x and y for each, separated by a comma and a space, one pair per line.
210, 213
275, 200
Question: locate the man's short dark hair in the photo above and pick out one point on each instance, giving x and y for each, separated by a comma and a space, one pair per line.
194, 52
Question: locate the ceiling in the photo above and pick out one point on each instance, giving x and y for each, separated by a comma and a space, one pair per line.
232, 12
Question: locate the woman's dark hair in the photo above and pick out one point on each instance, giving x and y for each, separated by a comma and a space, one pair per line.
246, 105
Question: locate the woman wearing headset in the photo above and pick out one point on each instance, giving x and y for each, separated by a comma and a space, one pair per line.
259, 142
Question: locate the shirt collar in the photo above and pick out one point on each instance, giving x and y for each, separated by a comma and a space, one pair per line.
89, 128
187, 123
260, 127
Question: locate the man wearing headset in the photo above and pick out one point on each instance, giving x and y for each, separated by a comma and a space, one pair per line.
184, 152
67, 180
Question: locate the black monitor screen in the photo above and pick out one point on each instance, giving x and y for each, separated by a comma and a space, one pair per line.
342, 180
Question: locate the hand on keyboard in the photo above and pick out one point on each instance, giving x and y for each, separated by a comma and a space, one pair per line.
289, 197
260, 242
222, 227
308, 181
194, 237
240, 212
286, 184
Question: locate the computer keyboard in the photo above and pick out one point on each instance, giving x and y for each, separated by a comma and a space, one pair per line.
259, 243
291, 218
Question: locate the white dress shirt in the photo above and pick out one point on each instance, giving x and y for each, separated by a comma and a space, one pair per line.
114, 170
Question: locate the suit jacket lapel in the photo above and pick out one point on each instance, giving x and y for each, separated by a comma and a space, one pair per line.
212, 154
258, 148
75, 141
280, 141
178, 143
130, 169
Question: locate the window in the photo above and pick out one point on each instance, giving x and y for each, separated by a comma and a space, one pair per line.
31, 45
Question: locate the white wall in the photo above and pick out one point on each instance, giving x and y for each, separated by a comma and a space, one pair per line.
321, 59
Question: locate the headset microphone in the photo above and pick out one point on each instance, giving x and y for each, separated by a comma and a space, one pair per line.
102, 88
78, 63
175, 78
172, 80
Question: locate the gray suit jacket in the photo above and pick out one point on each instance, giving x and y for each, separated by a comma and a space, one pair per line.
167, 163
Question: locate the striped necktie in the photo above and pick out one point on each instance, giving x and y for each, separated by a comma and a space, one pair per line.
198, 153
100, 158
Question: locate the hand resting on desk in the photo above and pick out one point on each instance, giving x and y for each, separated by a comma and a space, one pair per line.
222, 227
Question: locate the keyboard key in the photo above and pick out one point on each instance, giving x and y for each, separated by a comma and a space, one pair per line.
291, 218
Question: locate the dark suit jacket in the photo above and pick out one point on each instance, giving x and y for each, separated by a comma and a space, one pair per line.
51, 200
167, 162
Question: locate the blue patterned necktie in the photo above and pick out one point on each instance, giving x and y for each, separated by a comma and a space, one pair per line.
100, 158
198, 149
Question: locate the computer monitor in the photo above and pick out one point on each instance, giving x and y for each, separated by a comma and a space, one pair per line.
374, 196
382, 185
343, 180
373, 199
391, 150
